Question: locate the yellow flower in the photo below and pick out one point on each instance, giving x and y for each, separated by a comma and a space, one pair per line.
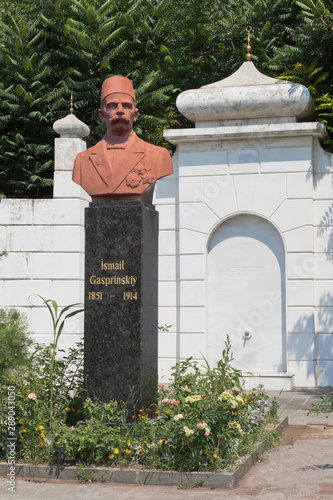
41, 427
23, 430
167, 411
162, 441
128, 443
116, 451
111, 456
67, 409
215, 456
128, 451
57, 442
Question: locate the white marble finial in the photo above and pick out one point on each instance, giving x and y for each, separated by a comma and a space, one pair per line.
247, 95
70, 126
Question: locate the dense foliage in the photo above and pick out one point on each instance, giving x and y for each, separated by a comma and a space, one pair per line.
49, 48
14, 340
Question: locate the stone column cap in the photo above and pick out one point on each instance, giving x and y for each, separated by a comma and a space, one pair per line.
70, 126
245, 95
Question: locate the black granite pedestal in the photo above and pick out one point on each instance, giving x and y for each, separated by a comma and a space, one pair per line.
120, 327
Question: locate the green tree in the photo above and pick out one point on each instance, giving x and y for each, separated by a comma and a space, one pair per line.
307, 58
25, 112
15, 8
72, 46
111, 38
163, 46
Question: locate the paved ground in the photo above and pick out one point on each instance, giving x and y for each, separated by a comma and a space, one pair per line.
295, 404
301, 467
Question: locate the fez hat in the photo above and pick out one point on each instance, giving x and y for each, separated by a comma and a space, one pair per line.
117, 84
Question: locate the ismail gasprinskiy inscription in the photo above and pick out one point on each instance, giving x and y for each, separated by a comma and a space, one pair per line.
115, 280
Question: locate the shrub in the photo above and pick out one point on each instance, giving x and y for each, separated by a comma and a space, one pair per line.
15, 340
32, 404
325, 405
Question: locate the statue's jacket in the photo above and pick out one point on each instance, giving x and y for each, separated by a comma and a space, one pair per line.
138, 167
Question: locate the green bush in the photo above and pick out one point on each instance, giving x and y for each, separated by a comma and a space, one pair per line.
206, 419
15, 340
32, 384
47, 382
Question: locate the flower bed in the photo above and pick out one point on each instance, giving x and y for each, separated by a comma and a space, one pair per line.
203, 421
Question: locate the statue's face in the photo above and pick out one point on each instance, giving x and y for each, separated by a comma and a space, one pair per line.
119, 113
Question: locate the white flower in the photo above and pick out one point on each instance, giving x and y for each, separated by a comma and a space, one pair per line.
192, 399
178, 417
188, 431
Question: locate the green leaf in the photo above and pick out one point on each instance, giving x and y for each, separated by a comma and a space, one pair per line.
145, 28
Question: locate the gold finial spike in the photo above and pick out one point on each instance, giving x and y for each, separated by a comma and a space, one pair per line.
248, 47
71, 109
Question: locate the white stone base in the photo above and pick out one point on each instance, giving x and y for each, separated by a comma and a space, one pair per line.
270, 381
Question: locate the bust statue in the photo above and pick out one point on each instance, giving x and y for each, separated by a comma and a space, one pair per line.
121, 166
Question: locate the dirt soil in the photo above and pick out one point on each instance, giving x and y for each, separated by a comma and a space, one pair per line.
296, 432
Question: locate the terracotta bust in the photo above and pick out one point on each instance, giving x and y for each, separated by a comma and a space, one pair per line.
121, 166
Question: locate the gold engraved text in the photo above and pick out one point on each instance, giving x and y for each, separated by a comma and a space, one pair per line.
130, 295
112, 266
112, 280
95, 296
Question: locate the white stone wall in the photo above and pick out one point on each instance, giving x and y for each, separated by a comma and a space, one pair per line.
278, 173
44, 240
283, 177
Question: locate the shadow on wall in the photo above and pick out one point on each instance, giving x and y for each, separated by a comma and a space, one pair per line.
325, 316
314, 351
301, 348
325, 233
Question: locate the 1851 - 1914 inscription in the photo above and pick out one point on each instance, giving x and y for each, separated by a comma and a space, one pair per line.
121, 301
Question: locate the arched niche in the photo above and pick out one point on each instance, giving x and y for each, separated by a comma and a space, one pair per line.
247, 294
